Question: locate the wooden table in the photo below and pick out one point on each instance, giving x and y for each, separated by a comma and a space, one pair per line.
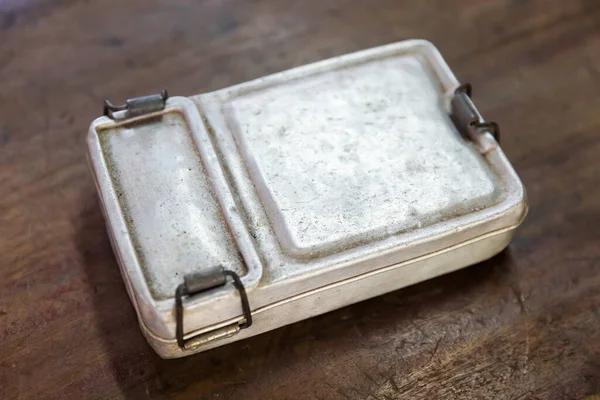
525, 324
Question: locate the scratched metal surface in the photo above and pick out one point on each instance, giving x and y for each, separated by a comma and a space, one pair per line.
374, 156
524, 325
171, 213
388, 103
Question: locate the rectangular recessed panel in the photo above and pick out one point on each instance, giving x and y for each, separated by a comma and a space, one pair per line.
175, 222
357, 154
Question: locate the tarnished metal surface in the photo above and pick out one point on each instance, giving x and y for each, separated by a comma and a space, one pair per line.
173, 218
357, 154
303, 183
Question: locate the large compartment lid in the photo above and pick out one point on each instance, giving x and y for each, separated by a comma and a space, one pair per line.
354, 163
357, 154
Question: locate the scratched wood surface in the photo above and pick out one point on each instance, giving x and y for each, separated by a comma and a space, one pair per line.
525, 324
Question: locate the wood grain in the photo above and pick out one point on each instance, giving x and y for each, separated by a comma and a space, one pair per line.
523, 325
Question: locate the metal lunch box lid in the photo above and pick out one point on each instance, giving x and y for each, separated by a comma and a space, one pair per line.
296, 181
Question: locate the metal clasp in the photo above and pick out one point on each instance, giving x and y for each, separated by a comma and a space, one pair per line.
137, 106
465, 115
200, 282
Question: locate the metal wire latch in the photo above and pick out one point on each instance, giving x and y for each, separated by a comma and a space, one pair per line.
138, 105
465, 115
200, 282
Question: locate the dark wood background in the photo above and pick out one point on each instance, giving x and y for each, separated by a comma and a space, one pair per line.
525, 324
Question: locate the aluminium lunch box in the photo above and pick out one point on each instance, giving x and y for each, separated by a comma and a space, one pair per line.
239, 211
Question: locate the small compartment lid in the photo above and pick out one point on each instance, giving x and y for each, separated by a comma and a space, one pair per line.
165, 199
172, 215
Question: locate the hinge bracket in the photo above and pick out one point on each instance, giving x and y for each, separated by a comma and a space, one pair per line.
137, 106
200, 282
465, 115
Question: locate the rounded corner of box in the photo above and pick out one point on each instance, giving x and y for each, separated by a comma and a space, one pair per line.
424, 43
165, 349
516, 204
152, 321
